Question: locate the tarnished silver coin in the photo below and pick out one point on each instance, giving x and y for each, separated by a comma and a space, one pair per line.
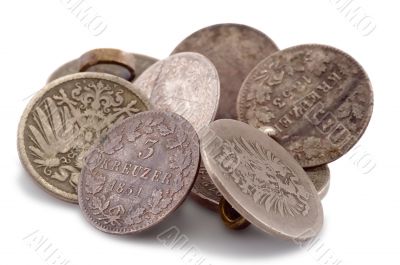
205, 192
140, 62
320, 177
139, 173
261, 180
185, 83
318, 98
65, 119
235, 50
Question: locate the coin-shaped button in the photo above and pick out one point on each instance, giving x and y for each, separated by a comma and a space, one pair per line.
139, 173
140, 62
235, 50
65, 119
318, 99
206, 194
185, 83
261, 180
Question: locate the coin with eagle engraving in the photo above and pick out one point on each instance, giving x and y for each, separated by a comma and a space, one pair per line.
318, 99
185, 83
205, 193
139, 173
65, 119
138, 61
235, 50
261, 180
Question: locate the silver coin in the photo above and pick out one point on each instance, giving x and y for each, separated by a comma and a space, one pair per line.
139, 173
185, 83
65, 119
318, 98
261, 180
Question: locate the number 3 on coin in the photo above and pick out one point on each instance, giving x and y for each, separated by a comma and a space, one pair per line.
150, 150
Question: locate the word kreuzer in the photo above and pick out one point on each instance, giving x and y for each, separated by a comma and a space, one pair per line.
139, 173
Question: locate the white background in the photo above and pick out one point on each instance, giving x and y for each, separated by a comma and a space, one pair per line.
361, 210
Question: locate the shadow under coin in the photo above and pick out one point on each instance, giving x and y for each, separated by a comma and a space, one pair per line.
203, 229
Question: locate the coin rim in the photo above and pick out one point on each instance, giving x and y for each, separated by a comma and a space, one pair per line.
22, 153
222, 25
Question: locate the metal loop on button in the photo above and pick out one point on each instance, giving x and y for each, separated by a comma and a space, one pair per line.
231, 217
108, 56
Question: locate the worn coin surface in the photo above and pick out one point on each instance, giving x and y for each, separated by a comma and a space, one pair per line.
139, 173
185, 83
141, 63
205, 192
261, 180
234, 49
318, 98
65, 119
320, 177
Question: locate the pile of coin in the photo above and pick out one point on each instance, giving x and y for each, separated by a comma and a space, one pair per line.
246, 129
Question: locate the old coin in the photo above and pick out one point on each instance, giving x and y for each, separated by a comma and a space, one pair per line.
205, 192
141, 63
185, 83
235, 50
261, 180
320, 177
139, 173
65, 119
318, 98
